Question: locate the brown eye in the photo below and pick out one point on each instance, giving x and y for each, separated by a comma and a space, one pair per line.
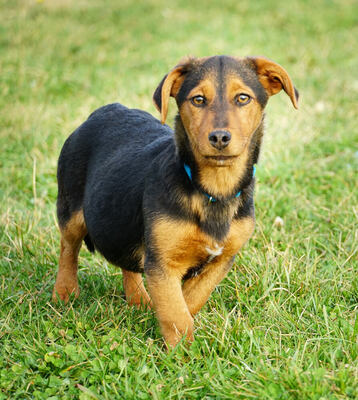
242, 99
198, 101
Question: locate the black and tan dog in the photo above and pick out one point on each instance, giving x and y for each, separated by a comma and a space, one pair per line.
176, 206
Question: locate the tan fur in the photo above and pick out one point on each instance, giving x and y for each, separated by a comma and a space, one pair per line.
221, 180
170, 87
197, 290
182, 245
195, 203
273, 78
172, 312
71, 239
134, 289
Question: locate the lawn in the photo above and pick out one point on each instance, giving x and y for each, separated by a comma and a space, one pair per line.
283, 324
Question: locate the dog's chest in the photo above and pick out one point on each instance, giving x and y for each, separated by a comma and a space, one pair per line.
214, 252
182, 246
198, 269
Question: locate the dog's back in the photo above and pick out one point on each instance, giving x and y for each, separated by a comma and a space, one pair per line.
101, 170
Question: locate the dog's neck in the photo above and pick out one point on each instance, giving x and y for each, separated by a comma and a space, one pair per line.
220, 182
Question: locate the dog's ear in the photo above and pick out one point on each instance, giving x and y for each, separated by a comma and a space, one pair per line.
273, 78
169, 86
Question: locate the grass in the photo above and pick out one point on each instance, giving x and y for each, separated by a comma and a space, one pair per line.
283, 324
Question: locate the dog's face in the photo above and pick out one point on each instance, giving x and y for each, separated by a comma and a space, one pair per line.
221, 101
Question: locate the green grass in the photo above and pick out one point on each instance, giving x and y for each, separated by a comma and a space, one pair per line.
283, 324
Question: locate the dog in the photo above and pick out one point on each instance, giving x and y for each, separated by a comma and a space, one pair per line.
174, 205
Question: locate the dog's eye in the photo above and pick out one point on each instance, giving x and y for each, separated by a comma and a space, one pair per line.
242, 99
198, 100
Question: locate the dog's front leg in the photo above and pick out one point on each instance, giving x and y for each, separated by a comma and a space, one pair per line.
197, 290
174, 318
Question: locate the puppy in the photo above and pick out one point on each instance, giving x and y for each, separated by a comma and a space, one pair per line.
176, 206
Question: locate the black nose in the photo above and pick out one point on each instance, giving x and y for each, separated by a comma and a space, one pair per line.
219, 139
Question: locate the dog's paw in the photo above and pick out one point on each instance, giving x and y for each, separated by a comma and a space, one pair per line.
140, 301
65, 292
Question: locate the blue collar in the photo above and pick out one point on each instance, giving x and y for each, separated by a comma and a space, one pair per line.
211, 198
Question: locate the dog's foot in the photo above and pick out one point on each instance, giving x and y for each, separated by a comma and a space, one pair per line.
64, 291
139, 300
173, 334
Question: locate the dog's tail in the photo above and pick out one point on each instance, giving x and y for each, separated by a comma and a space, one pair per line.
89, 244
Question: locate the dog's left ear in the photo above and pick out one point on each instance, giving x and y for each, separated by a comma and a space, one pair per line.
273, 78
169, 86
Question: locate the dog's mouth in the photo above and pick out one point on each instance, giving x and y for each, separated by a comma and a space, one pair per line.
221, 160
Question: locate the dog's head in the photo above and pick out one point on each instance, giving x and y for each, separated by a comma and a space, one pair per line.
221, 101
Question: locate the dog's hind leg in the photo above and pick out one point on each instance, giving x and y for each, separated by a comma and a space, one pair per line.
134, 289
72, 234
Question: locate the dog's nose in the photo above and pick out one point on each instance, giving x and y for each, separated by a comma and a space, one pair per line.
219, 139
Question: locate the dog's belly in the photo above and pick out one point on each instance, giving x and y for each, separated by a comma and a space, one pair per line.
115, 225
113, 200
113, 214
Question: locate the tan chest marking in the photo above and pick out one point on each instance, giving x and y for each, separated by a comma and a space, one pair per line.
182, 245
